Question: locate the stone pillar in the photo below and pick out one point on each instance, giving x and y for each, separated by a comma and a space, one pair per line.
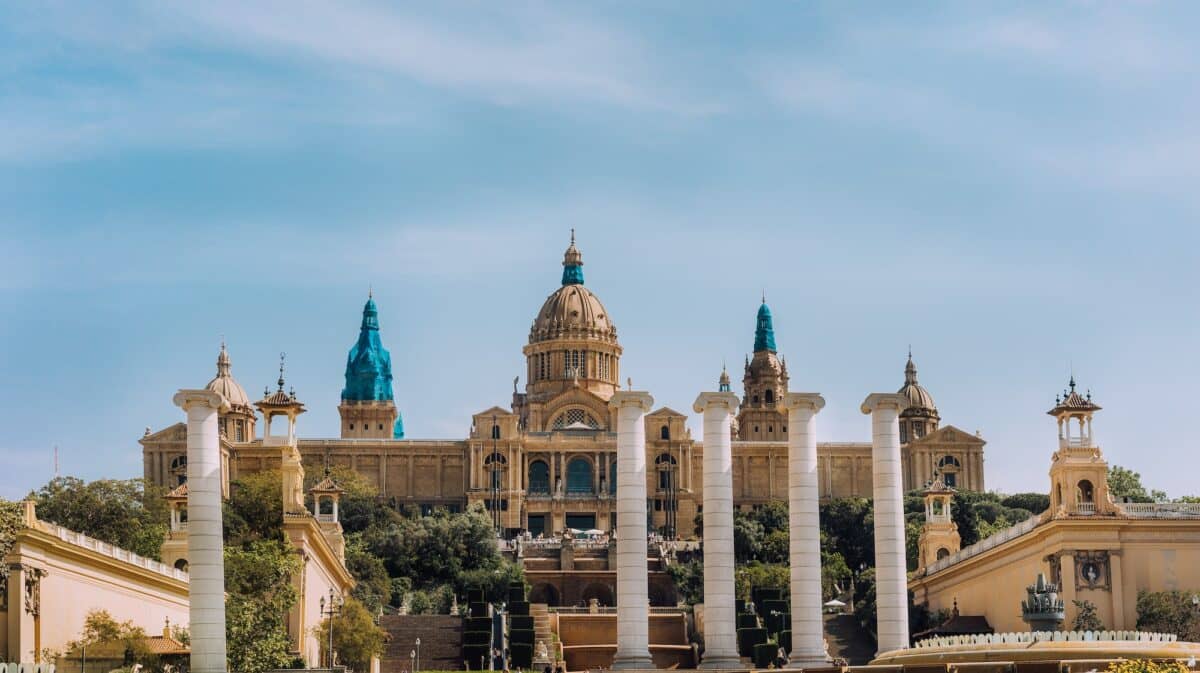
891, 581
720, 640
808, 642
633, 598
206, 564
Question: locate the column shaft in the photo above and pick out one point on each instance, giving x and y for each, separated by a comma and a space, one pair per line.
633, 602
891, 581
206, 563
720, 640
808, 642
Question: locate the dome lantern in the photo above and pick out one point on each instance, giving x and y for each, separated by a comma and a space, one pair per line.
572, 264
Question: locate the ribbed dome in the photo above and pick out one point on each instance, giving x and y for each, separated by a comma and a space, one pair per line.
224, 383
919, 399
572, 311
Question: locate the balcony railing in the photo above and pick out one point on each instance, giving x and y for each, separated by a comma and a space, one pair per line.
1085, 508
1162, 510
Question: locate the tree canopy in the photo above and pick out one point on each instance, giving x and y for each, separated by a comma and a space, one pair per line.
123, 512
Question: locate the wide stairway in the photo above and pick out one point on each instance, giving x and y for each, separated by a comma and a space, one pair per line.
441, 642
541, 624
848, 640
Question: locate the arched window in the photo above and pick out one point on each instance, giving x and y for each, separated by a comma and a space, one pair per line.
942, 553
1085, 492
539, 477
664, 432
181, 564
949, 467
495, 432
573, 417
756, 399
579, 476
770, 396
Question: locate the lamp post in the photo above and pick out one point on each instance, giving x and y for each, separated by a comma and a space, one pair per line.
412, 658
331, 609
417, 656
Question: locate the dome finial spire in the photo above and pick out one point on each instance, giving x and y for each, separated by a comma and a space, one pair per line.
282, 356
764, 330
370, 291
572, 264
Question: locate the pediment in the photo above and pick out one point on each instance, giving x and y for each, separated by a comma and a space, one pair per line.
665, 411
494, 411
948, 434
176, 432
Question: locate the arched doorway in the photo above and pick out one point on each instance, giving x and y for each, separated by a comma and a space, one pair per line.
601, 592
545, 593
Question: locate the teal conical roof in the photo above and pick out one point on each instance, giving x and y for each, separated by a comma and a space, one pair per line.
764, 332
572, 264
398, 428
369, 365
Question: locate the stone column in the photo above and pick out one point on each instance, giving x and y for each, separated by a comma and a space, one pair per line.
891, 581
720, 640
808, 642
633, 598
206, 563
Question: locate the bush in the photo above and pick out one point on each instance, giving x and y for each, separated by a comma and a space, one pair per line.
472, 654
764, 654
748, 638
420, 604
520, 655
477, 637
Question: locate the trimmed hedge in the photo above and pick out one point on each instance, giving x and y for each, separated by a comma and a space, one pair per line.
524, 636
747, 620
477, 637
478, 609
472, 654
748, 638
520, 655
785, 640
520, 622
777, 622
477, 624
764, 654
519, 608
475, 596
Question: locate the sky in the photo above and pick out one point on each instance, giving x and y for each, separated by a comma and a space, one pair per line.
1008, 188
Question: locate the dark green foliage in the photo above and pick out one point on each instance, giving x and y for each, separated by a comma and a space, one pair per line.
773, 517
777, 621
520, 622
521, 636
1030, 502
748, 638
472, 654
258, 582
747, 537
518, 608
785, 640
477, 637
747, 620
1086, 617
123, 512
520, 655
1169, 612
373, 587
689, 581
764, 654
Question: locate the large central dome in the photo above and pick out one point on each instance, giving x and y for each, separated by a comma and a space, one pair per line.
572, 311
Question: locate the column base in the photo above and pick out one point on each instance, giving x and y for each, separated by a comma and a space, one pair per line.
722, 662
632, 662
807, 661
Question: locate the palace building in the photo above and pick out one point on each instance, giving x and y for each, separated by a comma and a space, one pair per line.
547, 461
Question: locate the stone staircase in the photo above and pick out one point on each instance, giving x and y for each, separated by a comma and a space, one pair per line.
541, 626
848, 640
441, 642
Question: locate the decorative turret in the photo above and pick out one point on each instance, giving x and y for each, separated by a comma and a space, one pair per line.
921, 417
1078, 471
326, 494
237, 424
1043, 610
723, 382
763, 385
939, 536
367, 408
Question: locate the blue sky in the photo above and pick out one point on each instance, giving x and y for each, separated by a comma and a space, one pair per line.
1008, 187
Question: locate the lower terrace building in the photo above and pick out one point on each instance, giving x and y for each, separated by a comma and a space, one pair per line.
548, 461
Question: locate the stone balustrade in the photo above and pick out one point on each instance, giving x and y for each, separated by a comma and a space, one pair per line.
1047, 637
112, 551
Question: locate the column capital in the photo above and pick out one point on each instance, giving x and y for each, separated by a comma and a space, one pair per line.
884, 401
187, 398
631, 398
812, 401
706, 400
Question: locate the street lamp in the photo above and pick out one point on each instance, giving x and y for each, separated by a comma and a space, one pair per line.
412, 657
331, 609
417, 656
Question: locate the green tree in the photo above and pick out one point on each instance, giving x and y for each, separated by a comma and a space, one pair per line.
747, 537
124, 512
254, 510
11, 523
356, 636
1169, 612
689, 580
1126, 484
759, 575
773, 516
373, 587
775, 547
259, 593
1031, 502
124, 639
850, 530
1086, 617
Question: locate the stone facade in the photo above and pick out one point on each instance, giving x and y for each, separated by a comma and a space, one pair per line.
547, 461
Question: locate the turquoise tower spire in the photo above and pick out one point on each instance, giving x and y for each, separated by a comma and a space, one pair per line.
764, 332
572, 264
369, 365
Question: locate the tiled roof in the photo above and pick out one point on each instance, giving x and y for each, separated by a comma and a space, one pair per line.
180, 491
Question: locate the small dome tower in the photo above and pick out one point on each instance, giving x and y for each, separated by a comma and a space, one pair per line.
764, 384
237, 424
921, 417
367, 408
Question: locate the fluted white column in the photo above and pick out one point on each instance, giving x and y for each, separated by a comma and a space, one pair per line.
891, 582
205, 555
808, 642
633, 601
720, 620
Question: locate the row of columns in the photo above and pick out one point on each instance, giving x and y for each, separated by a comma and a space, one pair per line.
720, 618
